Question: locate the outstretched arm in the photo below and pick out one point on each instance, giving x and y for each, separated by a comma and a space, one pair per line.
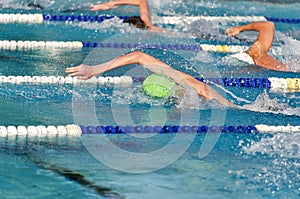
258, 51
113, 4
154, 65
142, 4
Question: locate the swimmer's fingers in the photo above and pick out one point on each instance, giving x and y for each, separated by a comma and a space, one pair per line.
232, 31
79, 75
72, 74
229, 32
77, 70
69, 70
82, 72
73, 69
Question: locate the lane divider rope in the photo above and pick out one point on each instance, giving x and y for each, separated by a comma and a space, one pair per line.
40, 18
32, 45
273, 83
73, 130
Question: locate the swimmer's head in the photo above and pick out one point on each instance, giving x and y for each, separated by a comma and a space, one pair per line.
159, 86
136, 21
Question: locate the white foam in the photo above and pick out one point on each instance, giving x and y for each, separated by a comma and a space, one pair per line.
285, 144
243, 57
263, 103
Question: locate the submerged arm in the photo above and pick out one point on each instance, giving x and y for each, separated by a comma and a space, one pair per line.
154, 65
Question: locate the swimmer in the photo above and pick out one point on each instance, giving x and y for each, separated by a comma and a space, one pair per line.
85, 72
143, 22
258, 52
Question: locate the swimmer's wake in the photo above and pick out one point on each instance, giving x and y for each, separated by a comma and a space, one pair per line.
263, 103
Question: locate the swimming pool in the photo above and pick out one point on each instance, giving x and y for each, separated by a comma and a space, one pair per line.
233, 165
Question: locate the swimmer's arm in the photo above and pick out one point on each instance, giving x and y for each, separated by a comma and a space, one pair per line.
258, 51
143, 7
85, 72
145, 12
202, 89
266, 32
113, 4
146, 17
156, 66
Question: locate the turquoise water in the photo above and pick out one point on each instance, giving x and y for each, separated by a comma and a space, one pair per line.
238, 165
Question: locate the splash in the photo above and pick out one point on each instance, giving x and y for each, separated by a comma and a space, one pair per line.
281, 174
264, 104
286, 145
288, 53
111, 27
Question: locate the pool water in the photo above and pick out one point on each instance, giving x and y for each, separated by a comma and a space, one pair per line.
231, 166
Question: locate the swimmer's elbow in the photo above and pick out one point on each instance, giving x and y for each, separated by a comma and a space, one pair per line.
267, 26
262, 26
140, 57
136, 56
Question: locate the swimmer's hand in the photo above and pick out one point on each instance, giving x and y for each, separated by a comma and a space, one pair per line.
233, 31
103, 6
82, 72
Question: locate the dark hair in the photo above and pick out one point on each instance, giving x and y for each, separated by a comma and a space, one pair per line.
136, 21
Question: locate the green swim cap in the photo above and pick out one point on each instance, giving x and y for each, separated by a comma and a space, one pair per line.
159, 85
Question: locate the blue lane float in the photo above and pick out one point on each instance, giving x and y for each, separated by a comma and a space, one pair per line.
72, 130
165, 129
